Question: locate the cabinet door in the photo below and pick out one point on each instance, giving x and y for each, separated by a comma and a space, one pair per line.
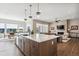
20, 43
16, 41
34, 48
27, 47
44, 46
48, 48
53, 47
23, 45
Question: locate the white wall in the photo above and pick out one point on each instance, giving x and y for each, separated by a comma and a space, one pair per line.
10, 21
54, 24
72, 23
29, 23
77, 11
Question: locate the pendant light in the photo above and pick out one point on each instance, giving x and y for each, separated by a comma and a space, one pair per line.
25, 15
30, 11
25, 10
38, 12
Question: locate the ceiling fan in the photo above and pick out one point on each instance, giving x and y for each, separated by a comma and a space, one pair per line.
56, 20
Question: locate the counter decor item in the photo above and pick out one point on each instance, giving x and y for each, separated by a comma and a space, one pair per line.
32, 32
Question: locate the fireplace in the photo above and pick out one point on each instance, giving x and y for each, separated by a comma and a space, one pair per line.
60, 33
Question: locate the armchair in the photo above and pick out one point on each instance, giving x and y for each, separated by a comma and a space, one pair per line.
65, 37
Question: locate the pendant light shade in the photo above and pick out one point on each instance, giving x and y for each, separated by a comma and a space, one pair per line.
30, 11
38, 13
25, 19
30, 16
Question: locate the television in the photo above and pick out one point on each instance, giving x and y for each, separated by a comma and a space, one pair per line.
60, 27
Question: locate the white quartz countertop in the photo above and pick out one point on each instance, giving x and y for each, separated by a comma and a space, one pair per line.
41, 37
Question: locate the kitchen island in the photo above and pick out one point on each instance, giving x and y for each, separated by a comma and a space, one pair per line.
37, 45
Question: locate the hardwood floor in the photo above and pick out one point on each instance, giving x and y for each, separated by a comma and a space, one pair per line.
8, 48
70, 48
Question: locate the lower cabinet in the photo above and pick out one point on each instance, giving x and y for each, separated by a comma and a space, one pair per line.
33, 48
48, 48
20, 44
27, 47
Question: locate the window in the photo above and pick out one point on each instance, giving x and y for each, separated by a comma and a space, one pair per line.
2, 27
14, 26
43, 28
11, 28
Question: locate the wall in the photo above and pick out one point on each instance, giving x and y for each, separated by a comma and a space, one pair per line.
54, 24
74, 22
3, 20
29, 23
68, 25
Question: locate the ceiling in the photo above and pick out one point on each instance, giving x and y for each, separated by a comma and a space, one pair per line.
49, 11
